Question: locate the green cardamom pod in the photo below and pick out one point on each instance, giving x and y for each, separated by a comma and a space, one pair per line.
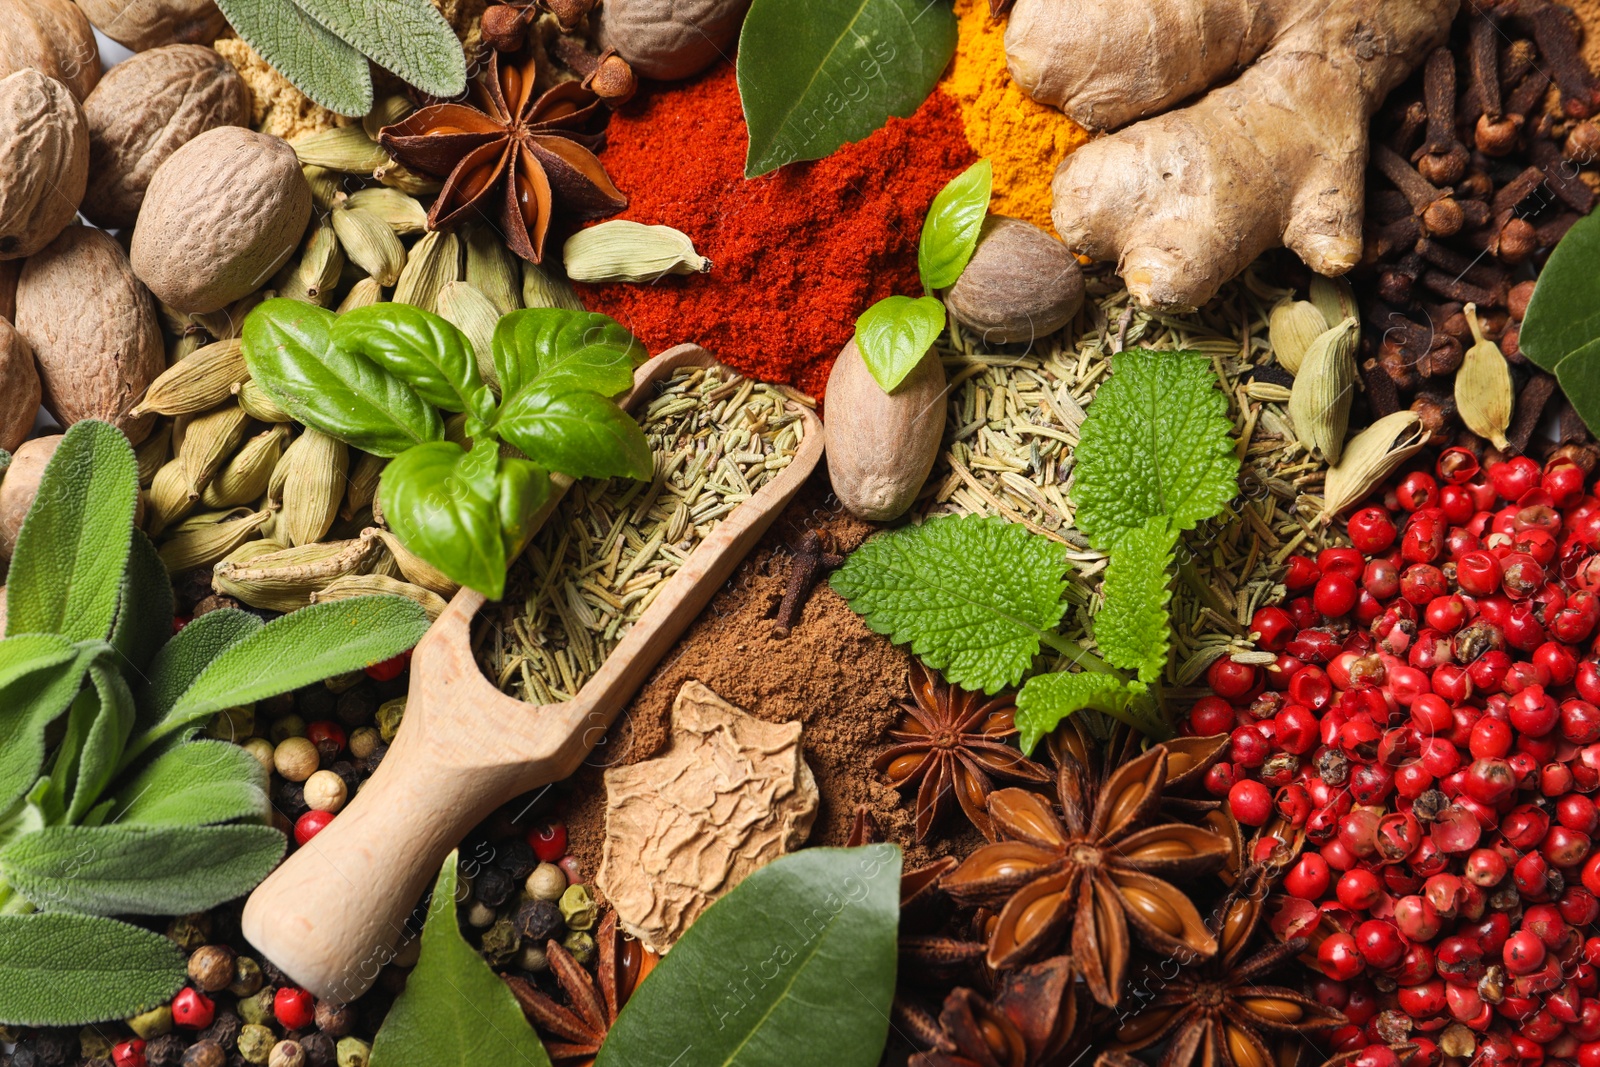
310, 480
626, 251
314, 276
397, 175
1335, 299
245, 477
208, 441
433, 263
367, 584
326, 185
470, 311
1483, 385
346, 149
202, 547
492, 269
1291, 328
198, 383
543, 289
364, 475
1319, 403
363, 293
369, 242
386, 111
152, 452
416, 570
403, 214
1370, 457
284, 579
170, 498
258, 404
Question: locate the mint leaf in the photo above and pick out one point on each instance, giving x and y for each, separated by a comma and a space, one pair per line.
950, 232
1155, 442
416, 346
195, 784
1048, 698
1132, 627
181, 659
71, 970
129, 870
66, 572
973, 595
581, 434
320, 64
454, 1011
895, 333
1564, 314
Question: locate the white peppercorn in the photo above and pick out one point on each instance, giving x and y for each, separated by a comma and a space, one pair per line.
480, 916
255, 1043
261, 749
578, 908
533, 958
325, 791
353, 1052
286, 1054
296, 758
363, 741
547, 882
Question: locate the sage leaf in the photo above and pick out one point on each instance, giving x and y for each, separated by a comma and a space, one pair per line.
39, 676
66, 572
581, 434
1579, 376
416, 346
287, 346
1564, 314
145, 608
181, 660
135, 870
1046, 699
815, 77
578, 349
895, 333
113, 716
409, 37
72, 970
443, 505
195, 784
321, 65
454, 1011
951, 229
817, 927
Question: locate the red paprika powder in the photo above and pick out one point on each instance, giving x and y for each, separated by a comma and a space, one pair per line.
797, 254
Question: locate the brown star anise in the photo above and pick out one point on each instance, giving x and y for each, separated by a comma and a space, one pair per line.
951, 742
1217, 1012
1029, 1022
1097, 869
510, 152
573, 1034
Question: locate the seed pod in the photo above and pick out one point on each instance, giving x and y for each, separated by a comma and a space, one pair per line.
1370, 457
154, 452
386, 111
492, 269
401, 213
1319, 404
369, 242
1291, 328
245, 477
433, 263
347, 149
229, 321
326, 185
364, 475
1483, 386
205, 545
258, 405
313, 277
283, 580
470, 311
417, 570
169, 499
624, 251
542, 289
398, 176
199, 383
310, 481
208, 441
362, 294
1335, 299
185, 345
367, 584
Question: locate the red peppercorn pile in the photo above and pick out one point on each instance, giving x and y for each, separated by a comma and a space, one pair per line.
1431, 727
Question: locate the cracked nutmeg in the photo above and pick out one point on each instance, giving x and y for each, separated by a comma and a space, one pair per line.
1097, 870
511, 153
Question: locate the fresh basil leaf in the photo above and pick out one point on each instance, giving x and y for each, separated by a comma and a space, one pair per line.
1564, 314
895, 333
950, 231
320, 64
66, 572
581, 434
443, 506
287, 346
522, 489
39, 676
409, 37
416, 346
818, 76
1579, 376
181, 660
1046, 699
135, 870
73, 970
580, 349
145, 608
454, 1011
195, 784
818, 927
108, 731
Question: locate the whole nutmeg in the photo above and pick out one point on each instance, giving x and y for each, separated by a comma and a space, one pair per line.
221, 215
52, 37
145, 109
44, 161
881, 446
211, 967
93, 328
1020, 284
20, 486
19, 388
142, 24
670, 39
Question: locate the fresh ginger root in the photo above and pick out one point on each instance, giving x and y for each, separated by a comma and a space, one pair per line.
1186, 200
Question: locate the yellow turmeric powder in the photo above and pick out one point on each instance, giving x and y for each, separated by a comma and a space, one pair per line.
1025, 141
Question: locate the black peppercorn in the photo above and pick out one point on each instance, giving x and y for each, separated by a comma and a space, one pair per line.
355, 706
315, 702
290, 798
336, 1020
320, 1050
224, 1029
55, 1048
347, 774
517, 858
211, 967
165, 1051
493, 887
538, 920
24, 1056
373, 758
204, 1053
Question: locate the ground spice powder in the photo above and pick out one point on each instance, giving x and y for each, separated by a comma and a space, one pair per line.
797, 253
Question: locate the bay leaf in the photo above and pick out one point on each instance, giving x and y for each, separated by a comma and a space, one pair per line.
1564, 314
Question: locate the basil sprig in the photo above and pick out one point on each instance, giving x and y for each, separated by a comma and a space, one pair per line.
375, 377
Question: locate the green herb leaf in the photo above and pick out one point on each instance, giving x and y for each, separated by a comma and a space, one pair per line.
974, 596
1046, 699
287, 346
895, 333
818, 76
66, 572
445, 508
416, 346
195, 784
1564, 314
578, 349
72, 970
39, 676
145, 608
950, 232
409, 37
1132, 627
320, 64
1579, 376
112, 721
582, 434
129, 870
297, 649
522, 487
181, 660
1155, 443
454, 1011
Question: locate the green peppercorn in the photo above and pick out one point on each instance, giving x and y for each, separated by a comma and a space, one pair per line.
341, 683
189, 932
153, 1023
92, 1044
255, 1043
257, 1008
500, 942
286, 1054
232, 724
581, 945
352, 1052
578, 908
390, 712
211, 967
247, 977
547, 882
205, 1053
285, 727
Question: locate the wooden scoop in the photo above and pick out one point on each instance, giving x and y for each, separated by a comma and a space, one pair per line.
333, 913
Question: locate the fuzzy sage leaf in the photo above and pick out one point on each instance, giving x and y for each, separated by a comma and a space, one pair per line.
181, 659
39, 676
950, 231
320, 64
195, 784
895, 334
71, 970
